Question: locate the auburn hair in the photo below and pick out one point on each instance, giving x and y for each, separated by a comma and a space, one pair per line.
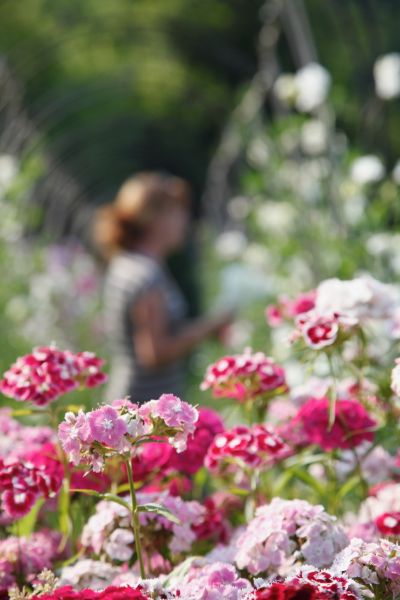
125, 221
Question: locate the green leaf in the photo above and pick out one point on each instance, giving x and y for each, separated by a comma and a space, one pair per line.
282, 482
26, 525
109, 497
348, 486
159, 510
239, 491
64, 521
309, 480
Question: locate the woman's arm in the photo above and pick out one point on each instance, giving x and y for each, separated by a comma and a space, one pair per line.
154, 345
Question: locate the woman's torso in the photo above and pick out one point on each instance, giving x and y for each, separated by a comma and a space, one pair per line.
130, 276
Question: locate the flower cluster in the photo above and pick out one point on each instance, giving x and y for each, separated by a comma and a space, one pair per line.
250, 447
110, 593
288, 309
88, 437
321, 330
378, 515
244, 376
26, 557
288, 531
47, 373
217, 581
21, 485
17, 439
352, 426
375, 565
311, 585
107, 532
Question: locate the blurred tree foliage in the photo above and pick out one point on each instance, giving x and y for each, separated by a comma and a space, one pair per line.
130, 84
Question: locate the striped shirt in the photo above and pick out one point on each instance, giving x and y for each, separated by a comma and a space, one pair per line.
129, 276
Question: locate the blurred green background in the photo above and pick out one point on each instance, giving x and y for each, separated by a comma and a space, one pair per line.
93, 91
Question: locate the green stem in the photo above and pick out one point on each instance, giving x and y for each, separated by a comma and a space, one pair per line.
135, 517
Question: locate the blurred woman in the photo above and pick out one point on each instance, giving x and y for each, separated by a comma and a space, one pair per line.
145, 312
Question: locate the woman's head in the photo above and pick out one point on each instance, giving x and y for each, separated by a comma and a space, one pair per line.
150, 210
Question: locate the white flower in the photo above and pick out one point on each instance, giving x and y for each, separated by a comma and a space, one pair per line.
362, 297
367, 169
275, 217
354, 209
395, 380
314, 137
396, 173
230, 244
387, 76
285, 88
258, 153
94, 574
238, 208
312, 84
8, 170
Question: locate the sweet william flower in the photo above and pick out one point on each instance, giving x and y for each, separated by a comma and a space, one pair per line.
47, 373
88, 438
21, 485
252, 447
107, 427
245, 376
109, 593
352, 425
388, 524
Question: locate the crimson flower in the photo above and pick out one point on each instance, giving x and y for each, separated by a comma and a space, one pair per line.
389, 523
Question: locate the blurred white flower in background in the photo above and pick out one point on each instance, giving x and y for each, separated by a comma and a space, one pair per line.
285, 88
382, 243
314, 137
353, 209
361, 297
238, 208
312, 84
8, 171
387, 76
275, 217
367, 169
230, 245
396, 173
258, 153
258, 255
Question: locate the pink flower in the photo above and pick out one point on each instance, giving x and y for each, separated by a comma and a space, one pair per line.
254, 447
89, 438
245, 376
352, 425
288, 309
107, 427
389, 523
48, 373
274, 316
319, 331
209, 423
286, 531
75, 435
21, 485
174, 412
23, 558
